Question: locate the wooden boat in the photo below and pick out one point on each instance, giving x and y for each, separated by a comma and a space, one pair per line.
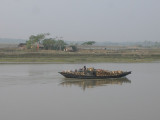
91, 73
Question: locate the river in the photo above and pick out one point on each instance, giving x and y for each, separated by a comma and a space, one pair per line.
39, 92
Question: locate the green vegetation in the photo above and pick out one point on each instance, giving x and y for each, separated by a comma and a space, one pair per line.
89, 43
53, 44
33, 39
74, 48
48, 43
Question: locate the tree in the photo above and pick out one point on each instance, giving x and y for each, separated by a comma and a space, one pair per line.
60, 45
53, 44
49, 44
29, 44
74, 48
89, 43
36, 39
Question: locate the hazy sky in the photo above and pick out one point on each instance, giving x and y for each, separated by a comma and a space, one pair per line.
80, 20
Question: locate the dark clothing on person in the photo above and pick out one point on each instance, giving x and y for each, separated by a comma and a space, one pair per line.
84, 68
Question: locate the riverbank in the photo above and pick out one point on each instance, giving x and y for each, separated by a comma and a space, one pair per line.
77, 58
81, 56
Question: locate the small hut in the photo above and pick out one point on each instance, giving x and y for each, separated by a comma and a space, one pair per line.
68, 49
22, 46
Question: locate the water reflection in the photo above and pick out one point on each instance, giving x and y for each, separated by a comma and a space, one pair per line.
87, 83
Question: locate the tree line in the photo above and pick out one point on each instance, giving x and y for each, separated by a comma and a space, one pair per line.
50, 43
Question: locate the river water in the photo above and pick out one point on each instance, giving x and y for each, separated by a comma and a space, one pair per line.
39, 92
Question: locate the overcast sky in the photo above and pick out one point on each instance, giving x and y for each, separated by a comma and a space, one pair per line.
82, 20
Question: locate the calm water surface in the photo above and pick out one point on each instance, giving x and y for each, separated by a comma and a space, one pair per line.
38, 92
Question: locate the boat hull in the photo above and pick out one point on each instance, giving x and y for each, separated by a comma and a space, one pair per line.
70, 75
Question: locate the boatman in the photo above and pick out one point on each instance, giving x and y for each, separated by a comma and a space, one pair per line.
84, 68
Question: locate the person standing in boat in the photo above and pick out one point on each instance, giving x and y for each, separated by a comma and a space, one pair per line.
84, 68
